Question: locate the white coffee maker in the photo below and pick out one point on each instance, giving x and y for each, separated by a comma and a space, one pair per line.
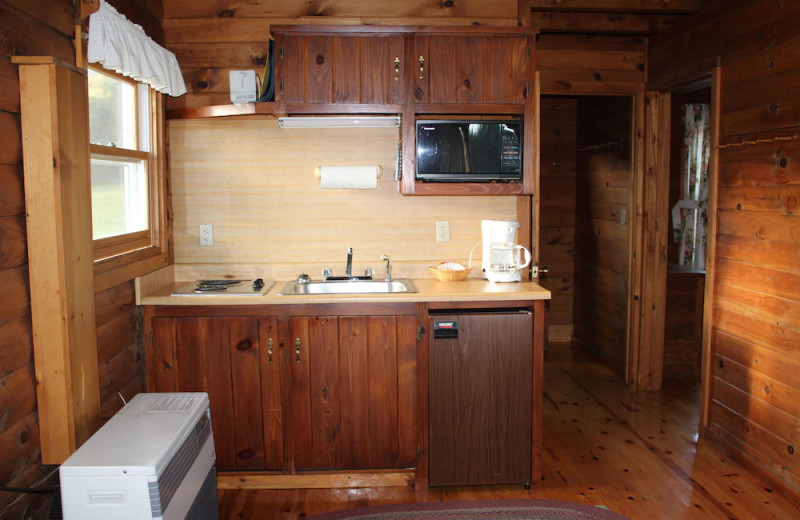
503, 259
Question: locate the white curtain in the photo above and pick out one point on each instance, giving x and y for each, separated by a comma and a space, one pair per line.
120, 45
689, 218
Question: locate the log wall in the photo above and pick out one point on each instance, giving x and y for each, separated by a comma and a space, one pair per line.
601, 229
559, 116
44, 27
755, 341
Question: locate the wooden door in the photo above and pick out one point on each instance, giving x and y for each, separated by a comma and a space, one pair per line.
470, 69
480, 404
377, 371
313, 413
222, 356
325, 69
352, 391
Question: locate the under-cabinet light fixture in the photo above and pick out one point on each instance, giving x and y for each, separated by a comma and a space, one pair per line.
339, 122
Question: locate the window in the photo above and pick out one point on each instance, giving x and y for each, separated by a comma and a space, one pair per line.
125, 171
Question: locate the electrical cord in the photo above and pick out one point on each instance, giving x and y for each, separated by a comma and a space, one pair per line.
28, 490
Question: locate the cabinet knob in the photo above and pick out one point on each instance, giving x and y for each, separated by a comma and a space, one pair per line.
297, 349
396, 68
421, 67
269, 350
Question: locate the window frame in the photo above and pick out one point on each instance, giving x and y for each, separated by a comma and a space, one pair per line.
122, 257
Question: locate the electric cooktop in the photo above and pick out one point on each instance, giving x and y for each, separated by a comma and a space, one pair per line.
225, 287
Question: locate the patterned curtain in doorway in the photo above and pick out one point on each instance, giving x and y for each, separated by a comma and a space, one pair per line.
689, 218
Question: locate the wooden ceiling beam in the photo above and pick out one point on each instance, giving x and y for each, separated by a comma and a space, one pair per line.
614, 23
628, 6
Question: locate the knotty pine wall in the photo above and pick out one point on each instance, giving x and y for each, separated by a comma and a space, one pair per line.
45, 27
581, 64
254, 183
559, 118
603, 180
754, 397
212, 38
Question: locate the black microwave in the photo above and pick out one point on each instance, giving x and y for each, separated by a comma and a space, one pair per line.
469, 150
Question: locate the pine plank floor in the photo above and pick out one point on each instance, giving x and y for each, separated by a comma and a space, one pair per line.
635, 453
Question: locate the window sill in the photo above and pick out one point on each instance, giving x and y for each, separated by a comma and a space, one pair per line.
116, 270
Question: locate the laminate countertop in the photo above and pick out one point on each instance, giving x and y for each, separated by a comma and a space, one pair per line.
429, 290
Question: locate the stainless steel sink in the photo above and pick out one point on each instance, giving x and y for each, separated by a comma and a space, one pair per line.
401, 285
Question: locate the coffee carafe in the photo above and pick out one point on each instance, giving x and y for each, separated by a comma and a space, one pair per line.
502, 258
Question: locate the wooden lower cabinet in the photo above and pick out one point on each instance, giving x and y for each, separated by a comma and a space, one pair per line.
291, 393
235, 360
352, 394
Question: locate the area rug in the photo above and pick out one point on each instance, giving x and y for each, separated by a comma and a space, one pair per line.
475, 510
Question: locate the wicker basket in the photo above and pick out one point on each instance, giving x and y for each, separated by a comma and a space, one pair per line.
450, 275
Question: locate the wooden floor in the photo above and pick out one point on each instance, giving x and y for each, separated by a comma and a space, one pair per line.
637, 454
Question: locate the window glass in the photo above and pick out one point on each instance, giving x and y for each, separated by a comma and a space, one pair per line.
120, 196
112, 111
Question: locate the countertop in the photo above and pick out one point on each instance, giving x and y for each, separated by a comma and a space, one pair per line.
430, 290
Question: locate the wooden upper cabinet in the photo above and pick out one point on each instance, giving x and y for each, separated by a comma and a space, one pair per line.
318, 70
359, 69
471, 69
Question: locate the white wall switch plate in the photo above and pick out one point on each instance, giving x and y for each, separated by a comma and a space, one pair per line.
206, 235
443, 231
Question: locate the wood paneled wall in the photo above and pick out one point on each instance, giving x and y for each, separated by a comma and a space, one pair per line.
559, 118
580, 64
755, 353
684, 324
44, 28
212, 38
601, 231
255, 183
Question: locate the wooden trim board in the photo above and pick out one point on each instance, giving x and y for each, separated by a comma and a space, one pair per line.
315, 480
55, 128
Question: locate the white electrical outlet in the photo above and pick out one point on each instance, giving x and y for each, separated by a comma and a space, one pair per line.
443, 231
206, 235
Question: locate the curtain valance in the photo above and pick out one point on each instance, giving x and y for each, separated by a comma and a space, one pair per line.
122, 46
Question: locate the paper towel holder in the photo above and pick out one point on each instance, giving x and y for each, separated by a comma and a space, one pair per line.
318, 171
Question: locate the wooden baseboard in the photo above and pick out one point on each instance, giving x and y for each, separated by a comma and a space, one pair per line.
232, 480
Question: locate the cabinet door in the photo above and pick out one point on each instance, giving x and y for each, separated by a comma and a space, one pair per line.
222, 356
377, 364
352, 392
313, 409
324, 69
480, 414
470, 69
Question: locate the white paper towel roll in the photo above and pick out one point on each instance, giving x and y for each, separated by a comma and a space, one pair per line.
349, 177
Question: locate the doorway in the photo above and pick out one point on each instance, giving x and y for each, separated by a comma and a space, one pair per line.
586, 178
690, 122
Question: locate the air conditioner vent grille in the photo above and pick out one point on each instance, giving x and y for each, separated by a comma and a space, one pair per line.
162, 490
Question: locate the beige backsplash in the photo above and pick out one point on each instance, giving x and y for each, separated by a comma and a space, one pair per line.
254, 182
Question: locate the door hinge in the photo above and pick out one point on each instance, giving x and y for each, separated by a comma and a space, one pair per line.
282, 55
151, 338
420, 332
419, 453
528, 53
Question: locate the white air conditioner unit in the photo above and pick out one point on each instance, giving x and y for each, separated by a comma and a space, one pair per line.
154, 460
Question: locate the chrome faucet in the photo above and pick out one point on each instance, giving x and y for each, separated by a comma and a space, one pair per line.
348, 272
388, 277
